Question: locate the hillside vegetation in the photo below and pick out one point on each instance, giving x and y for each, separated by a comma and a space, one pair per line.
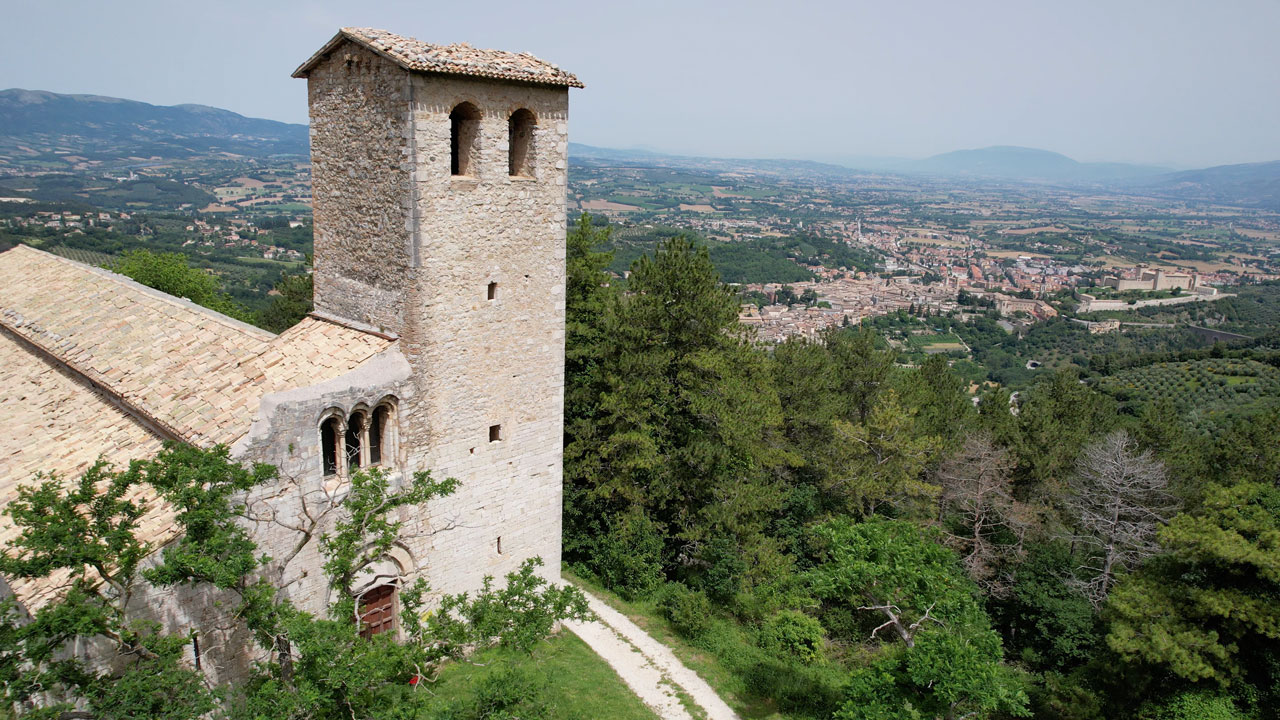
827, 534
1210, 394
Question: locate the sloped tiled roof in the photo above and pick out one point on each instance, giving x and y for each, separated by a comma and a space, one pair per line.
54, 422
457, 59
194, 372
95, 365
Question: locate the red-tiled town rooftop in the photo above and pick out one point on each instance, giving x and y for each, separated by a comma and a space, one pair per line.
457, 59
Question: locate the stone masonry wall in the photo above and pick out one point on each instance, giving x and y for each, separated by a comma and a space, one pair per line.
475, 362
404, 246
481, 362
286, 433
360, 184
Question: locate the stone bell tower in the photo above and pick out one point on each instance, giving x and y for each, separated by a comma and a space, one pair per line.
439, 179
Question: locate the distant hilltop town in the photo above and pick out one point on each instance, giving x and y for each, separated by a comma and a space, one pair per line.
924, 273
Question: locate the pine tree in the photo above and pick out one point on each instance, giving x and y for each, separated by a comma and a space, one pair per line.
686, 425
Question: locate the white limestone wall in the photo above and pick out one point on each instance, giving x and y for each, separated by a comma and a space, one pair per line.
480, 362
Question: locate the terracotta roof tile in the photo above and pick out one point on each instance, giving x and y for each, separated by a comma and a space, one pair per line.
457, 59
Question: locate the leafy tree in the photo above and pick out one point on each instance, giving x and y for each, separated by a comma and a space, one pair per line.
861, 370
170, 273
628, 557
290, 305
685, 423
1194, 705
804, 374
317, 668
87, 531
1049, 624
1057, 417
1162, 429
365, 532
996, 418
948, 663
880, 461
940, 400
587, 301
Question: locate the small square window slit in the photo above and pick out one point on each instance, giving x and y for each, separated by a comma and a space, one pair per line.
493, 291
495, 433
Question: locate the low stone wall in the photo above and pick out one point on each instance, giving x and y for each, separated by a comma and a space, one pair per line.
1090, 303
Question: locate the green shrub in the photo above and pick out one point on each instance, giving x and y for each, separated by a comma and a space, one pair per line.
506, 694
781, 593
688, 610
793, 634
807, 690
630, 557
1066, 697
725, 569
1194, 705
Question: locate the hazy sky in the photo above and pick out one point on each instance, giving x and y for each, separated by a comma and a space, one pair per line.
1160, 81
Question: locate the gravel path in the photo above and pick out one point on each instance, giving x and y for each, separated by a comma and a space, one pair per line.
647, 666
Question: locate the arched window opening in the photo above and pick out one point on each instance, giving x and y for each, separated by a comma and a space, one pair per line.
377, 610
378, 425
355, 429
330, 432
464, 136
520, 129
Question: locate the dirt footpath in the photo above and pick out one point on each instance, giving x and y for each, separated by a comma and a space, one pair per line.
647, 666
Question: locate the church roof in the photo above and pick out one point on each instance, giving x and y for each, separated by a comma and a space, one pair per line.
457, 59
93, 364
54, 422
194, 372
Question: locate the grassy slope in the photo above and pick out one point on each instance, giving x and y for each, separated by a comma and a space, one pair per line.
581, 685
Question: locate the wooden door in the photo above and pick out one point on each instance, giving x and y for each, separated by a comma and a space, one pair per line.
378, 610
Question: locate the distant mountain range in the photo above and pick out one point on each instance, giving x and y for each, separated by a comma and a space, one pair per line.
84, 123
600, 156
35, 125
1249, 185
1019, 163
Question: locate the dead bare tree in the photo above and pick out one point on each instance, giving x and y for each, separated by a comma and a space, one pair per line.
1118, 496
978, 514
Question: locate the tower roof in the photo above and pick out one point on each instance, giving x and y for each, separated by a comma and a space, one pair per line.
457, 59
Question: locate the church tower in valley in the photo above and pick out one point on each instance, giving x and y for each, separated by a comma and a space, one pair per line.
439, 180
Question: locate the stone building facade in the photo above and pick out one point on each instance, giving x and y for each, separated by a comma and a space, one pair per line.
428, 229
437, 341
1155, 281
